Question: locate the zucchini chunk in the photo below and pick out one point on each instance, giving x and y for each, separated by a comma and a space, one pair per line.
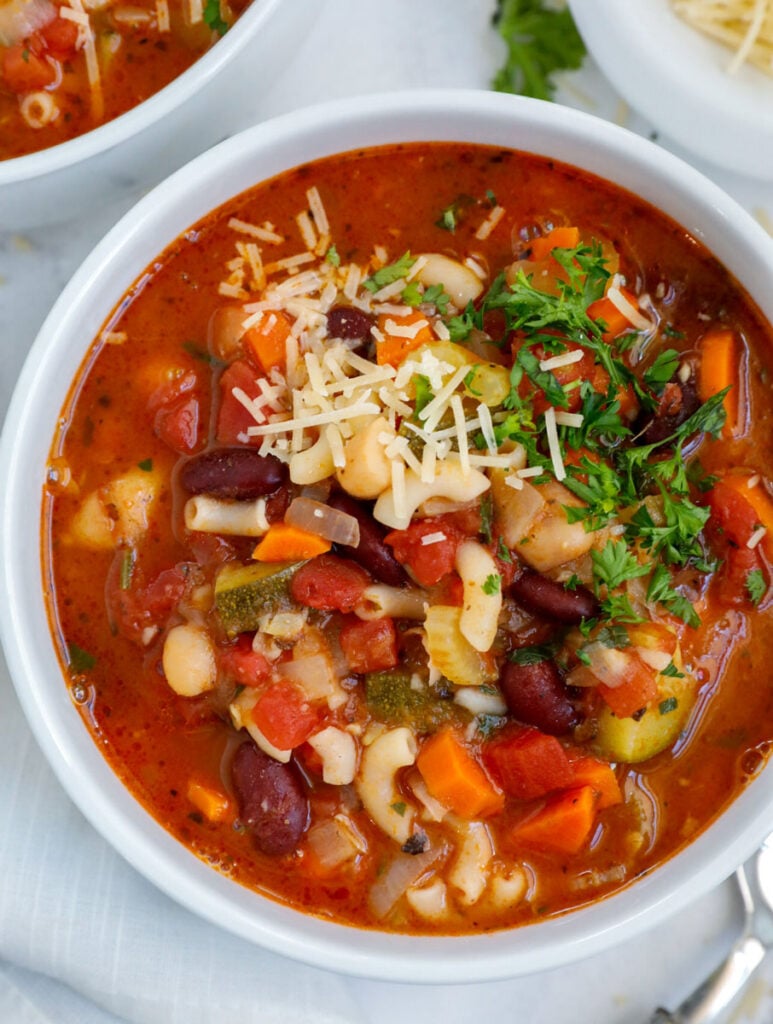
245, 593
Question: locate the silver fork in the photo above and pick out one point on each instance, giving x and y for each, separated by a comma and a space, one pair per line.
709, 1001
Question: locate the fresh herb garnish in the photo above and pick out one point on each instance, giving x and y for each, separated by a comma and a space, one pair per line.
534, 655
661, 591
672, 671
756, 586
127, 568
615, 564
668, 705
78, 660
662, 369
492, 584
424, 394
213, 17
146, 465
486, 517
399, 807
201, 353
503, 552
540, 41
389, 274
332, 257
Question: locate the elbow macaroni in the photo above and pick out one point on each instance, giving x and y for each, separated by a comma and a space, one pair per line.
377, 782
482, 594
380, 600
367, 470
450, 482
232, 518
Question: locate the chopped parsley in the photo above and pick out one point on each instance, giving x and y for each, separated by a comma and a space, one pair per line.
78, 660
492, 584
213, 17
503, 552
662, 369
399, 807
540, 41
672, 671
486, 517
668, 705
756, 586
389, 274
534, 655
146, 465
332, 257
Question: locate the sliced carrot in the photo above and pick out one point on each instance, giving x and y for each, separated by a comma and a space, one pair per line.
213, 803
759, 499
455, 778
718, 369
601, 777
393, 347
285, 543
268, 340
558, 238
615, 321
563, 825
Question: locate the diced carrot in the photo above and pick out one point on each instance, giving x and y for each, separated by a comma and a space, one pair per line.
563, 825
528, 763
455, 778
394, 347
614, 320
636, 691
285, 543
601, 777
284, 716
719, 368
213, 803
268, 341
759, 499
558, 238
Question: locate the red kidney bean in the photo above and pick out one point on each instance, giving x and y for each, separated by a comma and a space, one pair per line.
371, 553
348, 323
272, 802
551, 600
536, 695
233, 473
677, 402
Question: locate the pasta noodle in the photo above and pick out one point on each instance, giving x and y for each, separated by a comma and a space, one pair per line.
744, 25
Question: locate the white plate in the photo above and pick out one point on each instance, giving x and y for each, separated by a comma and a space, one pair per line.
677, 78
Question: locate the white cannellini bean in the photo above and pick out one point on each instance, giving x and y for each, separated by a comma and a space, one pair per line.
377, 784
458, 280
482, 594
338, 752
189, 660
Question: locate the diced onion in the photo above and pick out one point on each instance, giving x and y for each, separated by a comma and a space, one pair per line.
324, 521
404, 870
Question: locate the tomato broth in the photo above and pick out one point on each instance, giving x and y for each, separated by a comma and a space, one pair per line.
536, 668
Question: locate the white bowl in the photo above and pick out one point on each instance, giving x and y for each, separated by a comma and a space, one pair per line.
677, 78
200, 107
261, 152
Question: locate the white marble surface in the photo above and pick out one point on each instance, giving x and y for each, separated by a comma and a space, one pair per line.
357, 46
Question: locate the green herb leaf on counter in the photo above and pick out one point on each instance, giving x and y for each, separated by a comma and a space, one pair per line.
540, 41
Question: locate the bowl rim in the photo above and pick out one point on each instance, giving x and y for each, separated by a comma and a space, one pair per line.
69, 747
144, 115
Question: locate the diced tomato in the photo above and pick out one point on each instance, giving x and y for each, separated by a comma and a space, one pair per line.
733, 521
60, 37
284, 716
733, 518
178, 424
329, 583
637, 690
428, 563
369, 646
140, 606
528, 763
233, 419
449, 591
240, 662
23, 70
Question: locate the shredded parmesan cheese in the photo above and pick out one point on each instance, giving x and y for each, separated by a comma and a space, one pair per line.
490, 223
564, 359
631, 314
553, 444
433, 538
756, 537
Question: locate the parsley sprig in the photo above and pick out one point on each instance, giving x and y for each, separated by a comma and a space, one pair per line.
540, 41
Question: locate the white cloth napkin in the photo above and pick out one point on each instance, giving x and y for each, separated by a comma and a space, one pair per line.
83, 938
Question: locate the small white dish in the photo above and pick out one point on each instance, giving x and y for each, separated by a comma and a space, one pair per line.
677, 78
139, 148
